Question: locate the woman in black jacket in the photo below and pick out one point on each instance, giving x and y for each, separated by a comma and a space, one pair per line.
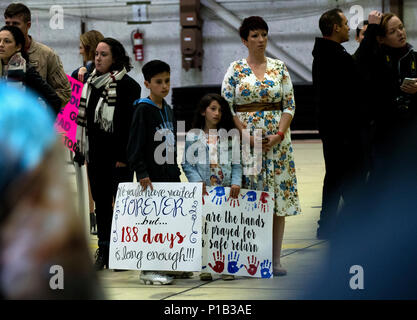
15, 68
104, 118
386, 59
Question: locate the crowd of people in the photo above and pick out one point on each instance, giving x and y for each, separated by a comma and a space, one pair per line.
364, 107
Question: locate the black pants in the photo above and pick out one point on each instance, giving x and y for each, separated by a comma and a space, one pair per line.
104, 179
345, 177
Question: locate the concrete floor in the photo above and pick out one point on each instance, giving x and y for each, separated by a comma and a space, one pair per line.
302, 253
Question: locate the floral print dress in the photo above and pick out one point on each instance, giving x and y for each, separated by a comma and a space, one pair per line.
241, 86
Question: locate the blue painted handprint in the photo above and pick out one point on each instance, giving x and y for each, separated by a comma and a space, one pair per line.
266, 269
220, 195
232, 265
251, 203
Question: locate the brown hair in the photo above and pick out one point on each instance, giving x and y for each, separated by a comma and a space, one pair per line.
386, 17
17, 9
90, 40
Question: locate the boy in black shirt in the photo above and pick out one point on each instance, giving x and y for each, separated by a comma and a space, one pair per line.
154, 115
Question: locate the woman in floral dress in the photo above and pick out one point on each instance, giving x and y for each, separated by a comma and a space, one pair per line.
260, 94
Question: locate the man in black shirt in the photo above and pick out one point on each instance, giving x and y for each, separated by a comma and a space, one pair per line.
338, 114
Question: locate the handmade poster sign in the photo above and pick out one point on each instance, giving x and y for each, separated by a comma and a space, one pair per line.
157, 230
237, 233
66, 120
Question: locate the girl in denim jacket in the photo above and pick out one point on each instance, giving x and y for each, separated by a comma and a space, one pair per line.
212, 150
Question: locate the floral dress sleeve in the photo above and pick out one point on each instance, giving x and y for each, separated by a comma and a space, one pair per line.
229, 86
288, 103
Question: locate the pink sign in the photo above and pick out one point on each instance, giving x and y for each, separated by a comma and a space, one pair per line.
66, 121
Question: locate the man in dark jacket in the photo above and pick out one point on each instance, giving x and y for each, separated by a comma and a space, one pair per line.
338, 116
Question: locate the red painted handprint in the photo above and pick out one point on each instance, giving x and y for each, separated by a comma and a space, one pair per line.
263, 202
253, 266
219, 266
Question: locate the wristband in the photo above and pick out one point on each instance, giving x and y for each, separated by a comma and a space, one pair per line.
281, 134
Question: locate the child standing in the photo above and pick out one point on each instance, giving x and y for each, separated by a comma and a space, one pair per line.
151, 115
212, 115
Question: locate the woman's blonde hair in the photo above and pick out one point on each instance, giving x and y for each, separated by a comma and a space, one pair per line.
90, 40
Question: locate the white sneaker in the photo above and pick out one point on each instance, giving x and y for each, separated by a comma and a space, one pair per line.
155, 277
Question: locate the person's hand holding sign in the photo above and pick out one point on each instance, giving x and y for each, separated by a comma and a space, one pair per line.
145, 183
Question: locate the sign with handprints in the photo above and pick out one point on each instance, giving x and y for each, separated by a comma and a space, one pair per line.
237, 232
157, 229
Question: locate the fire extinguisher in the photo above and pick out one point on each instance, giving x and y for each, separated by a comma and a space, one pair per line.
137, 41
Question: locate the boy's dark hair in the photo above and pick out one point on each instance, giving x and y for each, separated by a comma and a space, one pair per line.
16, 9
19, 38
328, 20
121, 59
154, 67
226, 121
360, 26
251, 24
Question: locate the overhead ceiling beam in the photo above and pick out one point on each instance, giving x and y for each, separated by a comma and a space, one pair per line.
272, 49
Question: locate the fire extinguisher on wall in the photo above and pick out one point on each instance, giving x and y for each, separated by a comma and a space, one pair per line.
137, 42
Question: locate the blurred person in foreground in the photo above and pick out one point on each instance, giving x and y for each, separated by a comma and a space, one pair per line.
374, 253
39, 227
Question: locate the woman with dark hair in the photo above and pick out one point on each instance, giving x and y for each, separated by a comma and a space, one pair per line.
212, 150
14, 67
391, 87
105, 115
260, 95
88, 43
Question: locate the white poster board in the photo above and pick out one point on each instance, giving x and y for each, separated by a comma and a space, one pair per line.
237, 233
157, 230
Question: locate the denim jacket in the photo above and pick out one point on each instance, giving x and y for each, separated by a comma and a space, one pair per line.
196, 162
